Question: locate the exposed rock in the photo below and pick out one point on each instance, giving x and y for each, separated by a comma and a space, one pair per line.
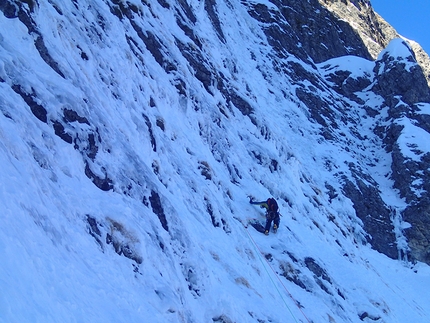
157, 208
72, 116
105, 184
418, 234
375, 215
400, 76
307, 29
374, 31
123, 241
60, 132
31, 99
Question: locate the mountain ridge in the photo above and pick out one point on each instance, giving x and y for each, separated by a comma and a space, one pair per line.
373, 29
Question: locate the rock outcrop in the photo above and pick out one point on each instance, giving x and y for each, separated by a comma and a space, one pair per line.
374, 31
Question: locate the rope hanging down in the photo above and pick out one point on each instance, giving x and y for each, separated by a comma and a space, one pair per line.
289, 294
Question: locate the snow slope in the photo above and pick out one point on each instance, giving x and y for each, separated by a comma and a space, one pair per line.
72, 252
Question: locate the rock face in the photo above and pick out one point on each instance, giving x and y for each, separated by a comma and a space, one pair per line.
132, 131
312, 29
400, 78
402, 84
307, 29
302, 37
400, 81
374, 31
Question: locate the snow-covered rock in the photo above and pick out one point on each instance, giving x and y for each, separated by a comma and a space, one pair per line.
133, 133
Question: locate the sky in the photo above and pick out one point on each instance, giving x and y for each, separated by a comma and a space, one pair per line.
409, 18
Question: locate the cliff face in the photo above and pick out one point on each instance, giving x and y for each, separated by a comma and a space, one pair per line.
318, 31
402, 89
374, 31
133, 132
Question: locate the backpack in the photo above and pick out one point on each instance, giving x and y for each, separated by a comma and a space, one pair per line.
273, 206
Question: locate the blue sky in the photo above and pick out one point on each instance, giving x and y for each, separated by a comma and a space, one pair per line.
409, 18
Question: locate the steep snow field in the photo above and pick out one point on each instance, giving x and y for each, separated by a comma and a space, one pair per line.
71, 252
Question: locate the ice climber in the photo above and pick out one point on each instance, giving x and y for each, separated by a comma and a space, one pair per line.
272, 213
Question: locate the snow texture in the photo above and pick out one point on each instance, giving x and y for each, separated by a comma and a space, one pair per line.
71, 251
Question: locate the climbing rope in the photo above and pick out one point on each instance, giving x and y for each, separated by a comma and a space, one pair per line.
270, 276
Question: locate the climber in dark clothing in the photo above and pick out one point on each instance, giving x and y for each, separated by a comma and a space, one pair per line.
272, 213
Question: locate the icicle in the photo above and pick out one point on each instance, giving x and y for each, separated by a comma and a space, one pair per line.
401, 240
